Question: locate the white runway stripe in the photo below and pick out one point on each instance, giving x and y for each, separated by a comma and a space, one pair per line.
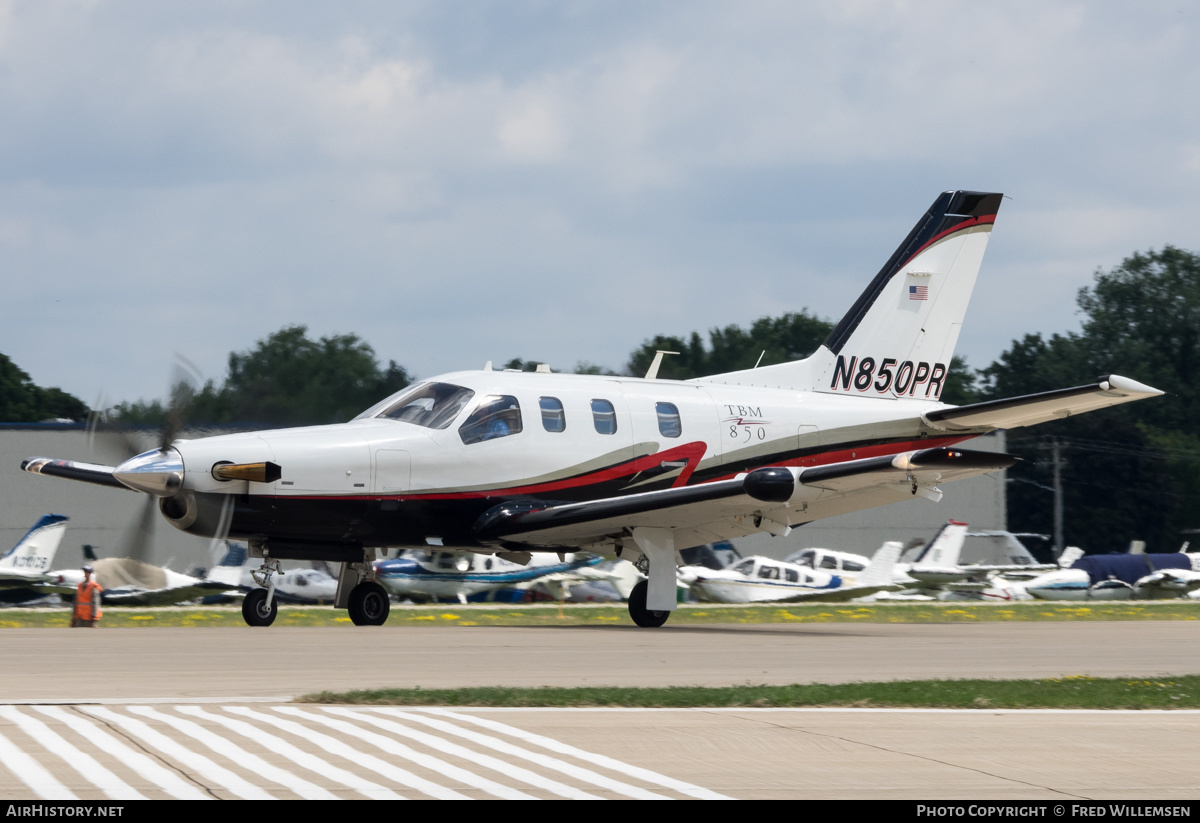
400, 750
148, 768
31, 773
578, 772
598, 759
243, 758
333, 746
87, 766
206, 768
487, 761
297, 755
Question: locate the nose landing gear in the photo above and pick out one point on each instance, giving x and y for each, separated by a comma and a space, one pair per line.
259, 607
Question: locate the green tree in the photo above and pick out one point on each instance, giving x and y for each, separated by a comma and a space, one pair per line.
1132, 472
791, 336
22, 401
289, 379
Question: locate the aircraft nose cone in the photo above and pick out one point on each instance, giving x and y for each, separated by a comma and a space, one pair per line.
155, 472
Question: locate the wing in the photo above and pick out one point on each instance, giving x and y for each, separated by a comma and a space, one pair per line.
761, 500
1039, 408
837, 595
164, 597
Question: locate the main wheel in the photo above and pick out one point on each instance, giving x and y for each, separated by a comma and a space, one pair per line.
646, 618
255, 611
369, 604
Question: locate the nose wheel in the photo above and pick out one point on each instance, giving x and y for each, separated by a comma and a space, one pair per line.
258, 609
369, 604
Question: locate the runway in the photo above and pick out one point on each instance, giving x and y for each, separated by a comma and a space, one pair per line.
280, 663
196, 712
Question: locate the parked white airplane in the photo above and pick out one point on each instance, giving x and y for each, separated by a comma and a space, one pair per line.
26, 566
763, 580
442, 575
237, 570
513, 463
1121, 577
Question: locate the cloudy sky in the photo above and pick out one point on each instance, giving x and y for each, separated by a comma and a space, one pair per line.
458, 182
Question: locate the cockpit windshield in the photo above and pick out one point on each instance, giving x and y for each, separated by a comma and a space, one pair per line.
432, 405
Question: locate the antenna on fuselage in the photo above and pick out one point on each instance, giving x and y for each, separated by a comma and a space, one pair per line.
487, 366
760, 357
652, 372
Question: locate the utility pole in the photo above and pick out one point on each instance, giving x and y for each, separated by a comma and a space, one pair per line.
1056, 456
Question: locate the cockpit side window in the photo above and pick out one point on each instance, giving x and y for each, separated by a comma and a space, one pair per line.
432, 405
745, 567
554, 419
669, 424
769, 572
604, 416
497, 415
792, 575
829, 562
806, 558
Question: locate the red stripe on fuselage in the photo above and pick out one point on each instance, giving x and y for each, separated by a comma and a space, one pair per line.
692, 452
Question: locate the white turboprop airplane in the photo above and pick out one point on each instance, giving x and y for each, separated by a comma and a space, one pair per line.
303, 586
512, 463
763, 580
441, 575
26, 566
129, 582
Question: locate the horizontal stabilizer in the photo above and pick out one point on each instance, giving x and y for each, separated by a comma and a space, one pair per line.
1030, 409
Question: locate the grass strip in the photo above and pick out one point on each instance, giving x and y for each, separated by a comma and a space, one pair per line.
1071, 692
617, 615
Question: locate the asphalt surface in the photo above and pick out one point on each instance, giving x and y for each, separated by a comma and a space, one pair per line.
129, 690
280, 663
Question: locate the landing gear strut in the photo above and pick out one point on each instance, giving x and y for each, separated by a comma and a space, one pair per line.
369, 604
646, 618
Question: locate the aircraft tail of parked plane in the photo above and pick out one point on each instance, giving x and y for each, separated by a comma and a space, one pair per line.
898, 338
33, 554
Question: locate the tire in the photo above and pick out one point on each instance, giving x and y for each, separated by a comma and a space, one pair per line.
255, 611
369, 604
642, 616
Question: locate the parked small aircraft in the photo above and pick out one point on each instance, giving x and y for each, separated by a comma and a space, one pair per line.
26, 566
1121, 577
513, 463
235, 569
130, 582
764, 580
424, 575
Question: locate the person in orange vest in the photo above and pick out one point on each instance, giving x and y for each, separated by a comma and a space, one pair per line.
87, 601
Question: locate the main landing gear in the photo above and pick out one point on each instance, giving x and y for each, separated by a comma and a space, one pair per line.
646, 618
369, 604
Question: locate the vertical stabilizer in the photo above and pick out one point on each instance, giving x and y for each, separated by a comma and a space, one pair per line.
945, 547
35, 551
880, 570
898, 338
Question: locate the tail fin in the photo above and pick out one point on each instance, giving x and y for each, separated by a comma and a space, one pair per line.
898, 338
879, 572
945, 547
1068, 557
35, 551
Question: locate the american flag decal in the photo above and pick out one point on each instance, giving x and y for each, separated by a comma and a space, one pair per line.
918, 292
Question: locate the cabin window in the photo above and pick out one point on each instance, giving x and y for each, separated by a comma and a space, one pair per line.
791, 575
445, 560
432, 405
769, 572
828, 562
669, 424
604, 416
301, 581
496, 416
487, 564
852, 566
554, 419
